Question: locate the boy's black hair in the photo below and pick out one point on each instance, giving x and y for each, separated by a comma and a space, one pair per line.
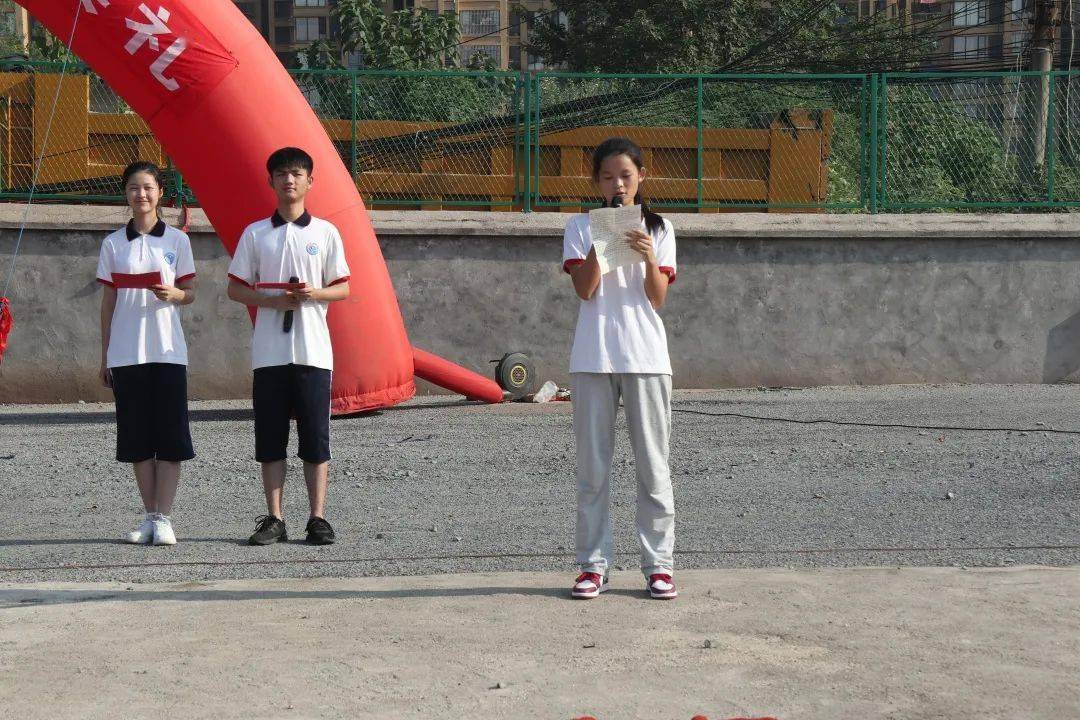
289, 157
147, 167
625, 146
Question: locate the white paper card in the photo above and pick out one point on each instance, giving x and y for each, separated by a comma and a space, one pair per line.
609, 227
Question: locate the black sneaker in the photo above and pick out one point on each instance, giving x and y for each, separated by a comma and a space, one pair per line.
268, 531
319, 532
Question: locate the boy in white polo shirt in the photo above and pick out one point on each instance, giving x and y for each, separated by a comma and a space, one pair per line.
290, 266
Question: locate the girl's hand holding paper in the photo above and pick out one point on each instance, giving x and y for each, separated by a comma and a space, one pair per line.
610, 229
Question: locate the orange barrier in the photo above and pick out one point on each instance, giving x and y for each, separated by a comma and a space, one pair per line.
784, 164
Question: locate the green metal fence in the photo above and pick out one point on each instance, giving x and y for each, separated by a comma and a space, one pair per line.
978, 140
712, 141
508, 141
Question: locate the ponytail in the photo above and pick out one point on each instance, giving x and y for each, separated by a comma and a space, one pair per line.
653, 222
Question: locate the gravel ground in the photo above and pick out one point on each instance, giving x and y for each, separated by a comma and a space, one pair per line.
438, 485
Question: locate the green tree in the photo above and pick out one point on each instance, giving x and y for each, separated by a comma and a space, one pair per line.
402, 40
405, 41
43, 46
938, 152
693, 36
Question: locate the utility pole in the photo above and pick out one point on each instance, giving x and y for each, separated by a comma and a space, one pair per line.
1068, 41
22, 28
1042, 60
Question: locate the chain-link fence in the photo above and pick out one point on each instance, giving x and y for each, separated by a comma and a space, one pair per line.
508, 141
965, 140
424, 139
438, 139
81, 132
710, 142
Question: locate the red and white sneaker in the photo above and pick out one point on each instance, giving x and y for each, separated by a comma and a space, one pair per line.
589, 585
662, 587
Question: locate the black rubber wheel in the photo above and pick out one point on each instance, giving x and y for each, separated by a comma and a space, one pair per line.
516, 374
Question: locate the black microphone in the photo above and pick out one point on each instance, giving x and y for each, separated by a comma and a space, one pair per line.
617, 201
286, 324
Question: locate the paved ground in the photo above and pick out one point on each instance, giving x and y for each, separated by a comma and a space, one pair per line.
828, 644
379, 626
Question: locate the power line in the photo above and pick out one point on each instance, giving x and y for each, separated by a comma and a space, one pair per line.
497, 31
887, 29
776, 36
463, 43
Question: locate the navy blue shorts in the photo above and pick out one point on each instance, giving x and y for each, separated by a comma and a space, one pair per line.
282, 392
151, 413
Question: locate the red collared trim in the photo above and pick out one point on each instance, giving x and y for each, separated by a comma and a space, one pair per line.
106, 282
189, 276
572, 263
242, 281
670, 272
339, 281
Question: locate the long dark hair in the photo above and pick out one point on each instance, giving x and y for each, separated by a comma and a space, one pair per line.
625, 146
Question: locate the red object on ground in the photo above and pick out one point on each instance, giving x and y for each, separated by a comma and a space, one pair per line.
6, 323
454, 377
219, 102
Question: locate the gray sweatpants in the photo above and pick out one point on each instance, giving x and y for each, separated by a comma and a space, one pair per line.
647, 401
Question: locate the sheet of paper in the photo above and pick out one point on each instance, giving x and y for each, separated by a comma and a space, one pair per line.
609, 227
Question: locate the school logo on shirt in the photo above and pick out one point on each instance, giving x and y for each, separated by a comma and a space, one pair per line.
170, 257
312, 249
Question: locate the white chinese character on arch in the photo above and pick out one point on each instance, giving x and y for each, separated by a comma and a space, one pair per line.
163, 62
88, 5
148, 31
147, 34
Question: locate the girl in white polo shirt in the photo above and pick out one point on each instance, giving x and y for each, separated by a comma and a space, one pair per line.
620, 351
147, 271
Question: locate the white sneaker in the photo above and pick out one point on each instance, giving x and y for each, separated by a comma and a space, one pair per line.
163, 530
588, 585
142, 535
662, 587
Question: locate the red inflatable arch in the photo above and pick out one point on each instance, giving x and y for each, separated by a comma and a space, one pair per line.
219, 102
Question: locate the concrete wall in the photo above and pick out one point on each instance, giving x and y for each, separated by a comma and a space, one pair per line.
760, 299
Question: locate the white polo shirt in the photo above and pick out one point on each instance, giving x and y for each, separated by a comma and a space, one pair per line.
272, 251
145, 329
618, 331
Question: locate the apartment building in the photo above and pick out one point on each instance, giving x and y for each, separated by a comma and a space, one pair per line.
14, 24
977, 33
497, 28
972, 34
861, 9
290, 25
